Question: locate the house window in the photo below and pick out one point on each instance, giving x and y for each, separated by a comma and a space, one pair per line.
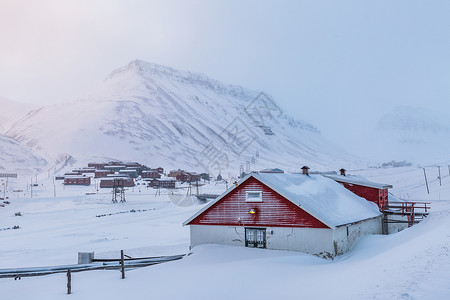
253, 196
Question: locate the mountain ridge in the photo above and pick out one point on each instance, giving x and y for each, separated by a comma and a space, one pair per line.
162, 116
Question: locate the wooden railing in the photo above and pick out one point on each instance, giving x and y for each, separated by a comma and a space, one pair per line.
415, 211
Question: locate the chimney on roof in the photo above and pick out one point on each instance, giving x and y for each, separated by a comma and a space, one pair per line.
305, 170
342, 172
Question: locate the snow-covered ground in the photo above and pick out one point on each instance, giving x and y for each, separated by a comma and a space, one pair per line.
412, 264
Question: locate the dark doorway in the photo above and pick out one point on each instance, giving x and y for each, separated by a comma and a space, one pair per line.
255, 237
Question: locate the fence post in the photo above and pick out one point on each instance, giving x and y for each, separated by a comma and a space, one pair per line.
122, 264
69, 282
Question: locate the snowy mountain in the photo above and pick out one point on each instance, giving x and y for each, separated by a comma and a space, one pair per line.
10, 112
16, 158
161, 116
411, 133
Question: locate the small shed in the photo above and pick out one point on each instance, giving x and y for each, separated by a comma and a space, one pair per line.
311, 214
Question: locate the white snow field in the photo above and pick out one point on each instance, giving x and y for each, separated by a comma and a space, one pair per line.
412, 264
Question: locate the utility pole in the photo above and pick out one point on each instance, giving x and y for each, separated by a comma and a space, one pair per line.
439, 171
426, 182
197, 187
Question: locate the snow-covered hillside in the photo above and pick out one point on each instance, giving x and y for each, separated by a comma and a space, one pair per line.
161, 116
11, 112
410, 133
16, 158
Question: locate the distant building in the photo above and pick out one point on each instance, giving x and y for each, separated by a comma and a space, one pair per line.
188, 177
175, 173
118, 181
115, 168
98, 166
133, 173
103, 173
152, 173
166, 183
72, 173
77, 180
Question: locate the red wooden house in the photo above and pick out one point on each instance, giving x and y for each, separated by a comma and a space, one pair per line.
311, 214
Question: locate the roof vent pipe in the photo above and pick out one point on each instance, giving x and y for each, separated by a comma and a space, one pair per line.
342, 172
305, 170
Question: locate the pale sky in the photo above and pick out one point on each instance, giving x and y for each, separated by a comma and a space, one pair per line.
336, 64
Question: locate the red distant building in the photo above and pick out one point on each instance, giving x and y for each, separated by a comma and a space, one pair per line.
152, 173
98, 166
77, 180
118, 181
133, 165
72, 173
188, 177
175, 173
166, 183
103, 173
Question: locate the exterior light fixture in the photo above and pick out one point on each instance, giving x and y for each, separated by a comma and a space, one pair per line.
252, 211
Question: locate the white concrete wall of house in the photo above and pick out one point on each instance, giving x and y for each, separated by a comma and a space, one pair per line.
316, 241
214, 234
345, 236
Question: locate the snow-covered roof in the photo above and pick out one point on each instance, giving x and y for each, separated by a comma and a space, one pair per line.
75, 176
276, 170
358, 180
321, 197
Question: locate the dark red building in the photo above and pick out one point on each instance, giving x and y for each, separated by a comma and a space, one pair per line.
168, 183
188, 177
77, 180
152, 173
118, 181
103, 173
